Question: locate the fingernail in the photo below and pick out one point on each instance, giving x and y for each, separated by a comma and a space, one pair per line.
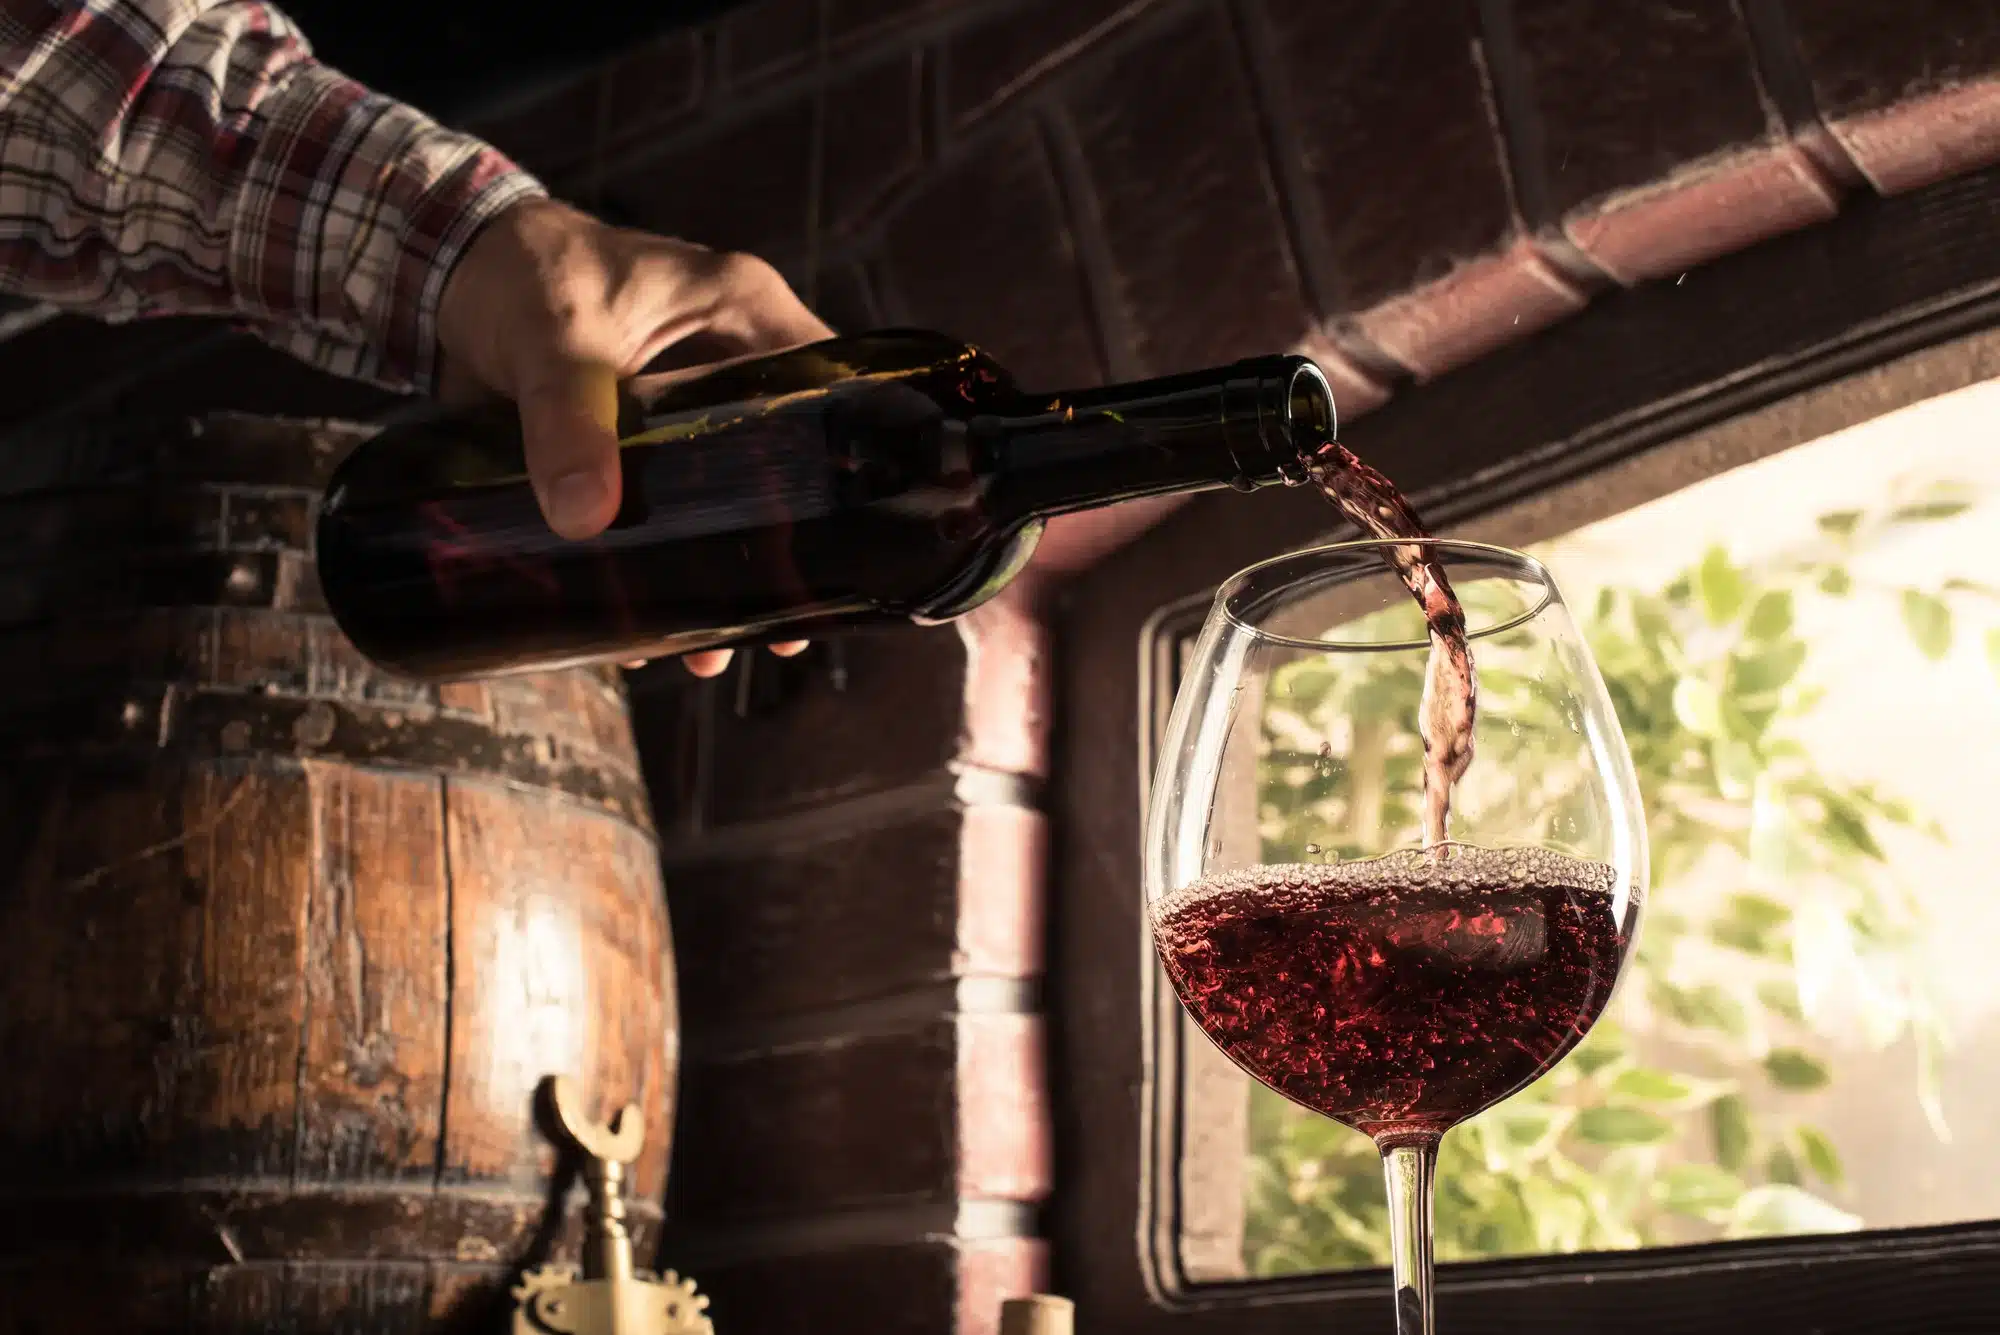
574, 499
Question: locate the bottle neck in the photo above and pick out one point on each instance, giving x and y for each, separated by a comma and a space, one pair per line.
1244, 426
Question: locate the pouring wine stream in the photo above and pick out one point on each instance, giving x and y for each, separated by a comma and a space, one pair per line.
1451, 684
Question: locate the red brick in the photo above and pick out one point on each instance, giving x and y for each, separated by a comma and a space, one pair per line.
865, 1122
768, 38
1170, 138
742, 187
989, 62
1006, 699
1004, 1137
1912, 90
1002, 891
1482, 304
858, 914
836, 1124
1662, 149
917, 1288
1355, 392
1631, 94
989, 1273
985, 252
874, 141
1074, 542
912, 704
800, 741
1926, 139
1702, 212
1393, 211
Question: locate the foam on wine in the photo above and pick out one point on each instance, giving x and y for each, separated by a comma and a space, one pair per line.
1403, 994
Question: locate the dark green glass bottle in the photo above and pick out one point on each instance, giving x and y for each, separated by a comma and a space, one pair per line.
887, 477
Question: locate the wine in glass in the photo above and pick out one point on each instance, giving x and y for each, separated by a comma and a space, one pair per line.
1312, 916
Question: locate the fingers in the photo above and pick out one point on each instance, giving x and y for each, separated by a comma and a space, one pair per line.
569, 428
757, 310
710, 664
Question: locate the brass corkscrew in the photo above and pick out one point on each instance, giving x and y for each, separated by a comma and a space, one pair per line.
609, 1296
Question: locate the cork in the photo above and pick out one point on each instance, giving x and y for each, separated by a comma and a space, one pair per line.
1042, 1314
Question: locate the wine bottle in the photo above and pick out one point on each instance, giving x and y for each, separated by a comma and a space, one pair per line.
885, 477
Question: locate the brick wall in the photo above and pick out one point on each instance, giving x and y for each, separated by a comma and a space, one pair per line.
854, 849
1095, 189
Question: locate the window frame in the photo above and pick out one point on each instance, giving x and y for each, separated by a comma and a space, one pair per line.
1651, 389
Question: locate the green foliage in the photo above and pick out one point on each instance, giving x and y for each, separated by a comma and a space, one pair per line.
1708, 674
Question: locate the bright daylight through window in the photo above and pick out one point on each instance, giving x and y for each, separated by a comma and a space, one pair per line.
1803, 653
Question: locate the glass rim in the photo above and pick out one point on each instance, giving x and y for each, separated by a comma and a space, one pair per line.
1524, 565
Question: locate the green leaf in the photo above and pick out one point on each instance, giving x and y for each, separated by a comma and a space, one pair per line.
1622, 1126
1704, 1007
1820, 1155
1782, 996
1779, 1211
1650, 1086
1698, 707
1836, 582
1605, 1047
1698, 1189
1766, 672
1761, 911
1789, 1068
1738, 936
1845, 825
1781, 1166
1721, 587
1753, 925
1777, 845
1770, 616
1736, 768
1655, 626
1840, 523
1928, 620
1729, 1129
1928, 510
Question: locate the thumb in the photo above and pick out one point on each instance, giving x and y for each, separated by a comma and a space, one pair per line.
569, 431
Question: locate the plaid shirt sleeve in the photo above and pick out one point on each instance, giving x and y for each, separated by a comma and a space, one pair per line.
190, 156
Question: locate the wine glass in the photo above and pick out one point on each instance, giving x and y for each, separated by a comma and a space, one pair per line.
1306, 928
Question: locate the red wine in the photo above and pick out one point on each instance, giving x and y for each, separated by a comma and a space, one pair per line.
889, 477
1449, 708
1401, 995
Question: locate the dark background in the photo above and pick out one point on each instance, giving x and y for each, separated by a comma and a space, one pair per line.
462, 57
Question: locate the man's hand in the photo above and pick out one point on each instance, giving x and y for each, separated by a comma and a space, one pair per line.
551, 308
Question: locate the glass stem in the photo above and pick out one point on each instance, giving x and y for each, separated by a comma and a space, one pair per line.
1409, 1168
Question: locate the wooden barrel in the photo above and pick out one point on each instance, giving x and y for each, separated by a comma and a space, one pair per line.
288, 945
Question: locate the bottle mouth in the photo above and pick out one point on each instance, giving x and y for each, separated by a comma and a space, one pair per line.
1310, 415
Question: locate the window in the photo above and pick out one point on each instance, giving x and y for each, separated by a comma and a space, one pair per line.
1806, 657
1648, 393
